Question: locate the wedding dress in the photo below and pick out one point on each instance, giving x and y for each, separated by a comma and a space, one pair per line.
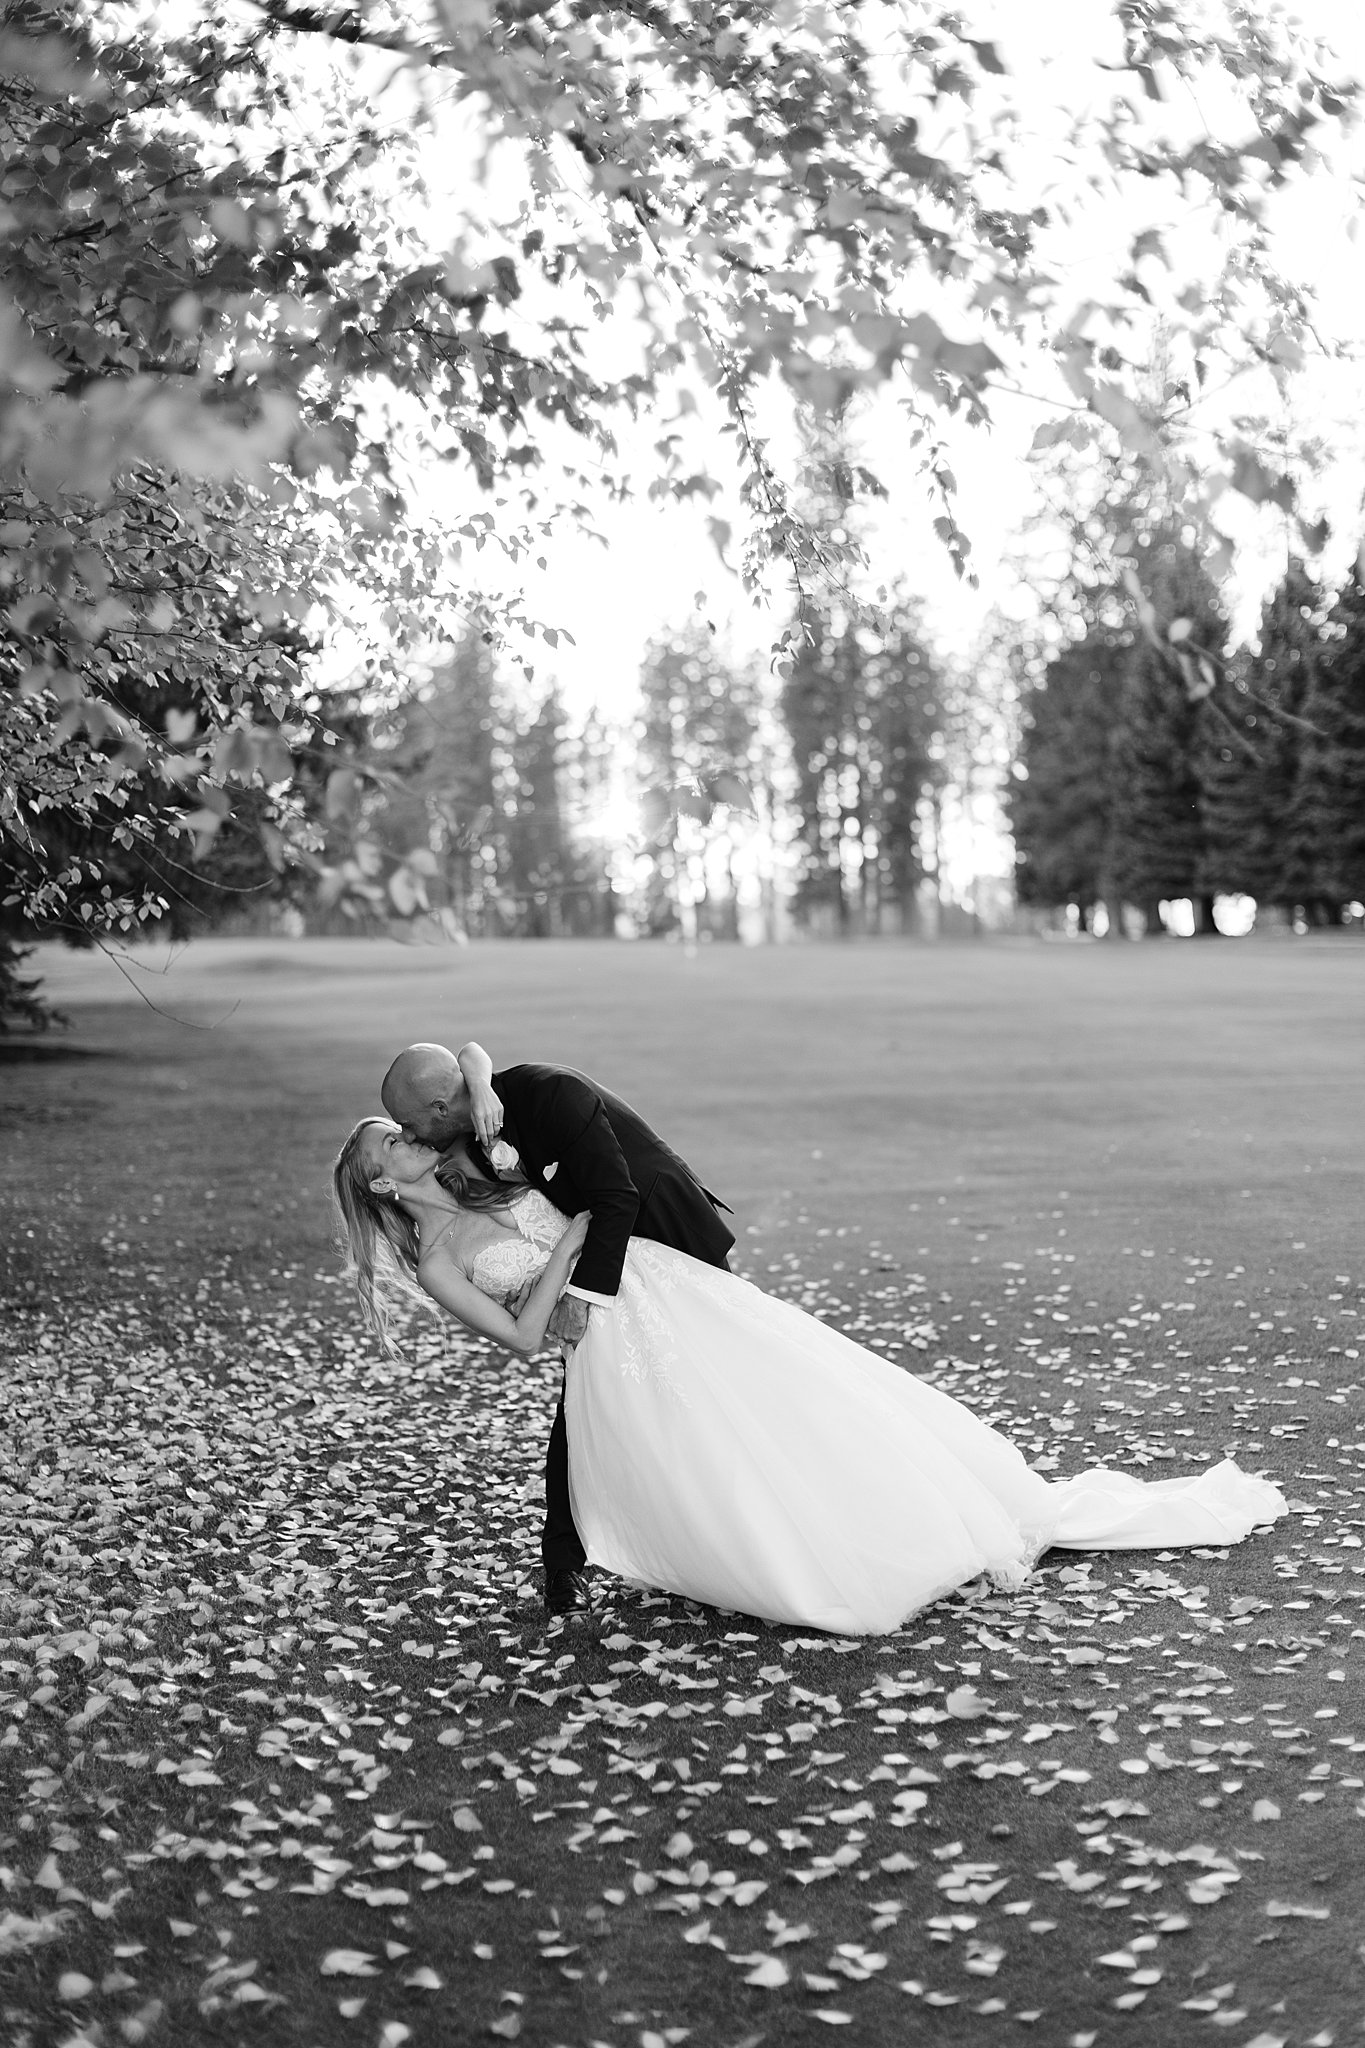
728, 1447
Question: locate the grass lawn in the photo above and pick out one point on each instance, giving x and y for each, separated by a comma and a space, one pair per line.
287, 1753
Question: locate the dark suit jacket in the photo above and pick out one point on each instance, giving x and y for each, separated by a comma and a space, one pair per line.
607, 1159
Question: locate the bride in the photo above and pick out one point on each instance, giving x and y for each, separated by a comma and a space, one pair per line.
726, 1446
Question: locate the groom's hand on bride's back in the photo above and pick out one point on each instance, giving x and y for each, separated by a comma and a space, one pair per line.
568, 1321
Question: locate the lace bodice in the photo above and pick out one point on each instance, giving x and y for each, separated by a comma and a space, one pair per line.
503, 1268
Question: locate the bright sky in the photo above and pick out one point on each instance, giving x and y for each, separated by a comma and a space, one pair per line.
657, 560
612, 599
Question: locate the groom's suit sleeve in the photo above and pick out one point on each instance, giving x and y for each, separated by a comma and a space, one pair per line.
571, 1126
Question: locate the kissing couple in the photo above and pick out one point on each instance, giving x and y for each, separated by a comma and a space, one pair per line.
710, 1440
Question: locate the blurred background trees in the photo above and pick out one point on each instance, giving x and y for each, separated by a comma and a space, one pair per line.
249, 656
1063, 802
1132, 791
739, 805
862, 712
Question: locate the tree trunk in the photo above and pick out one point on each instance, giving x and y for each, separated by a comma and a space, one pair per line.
1204, 925
730, 907
767, 889
843, 914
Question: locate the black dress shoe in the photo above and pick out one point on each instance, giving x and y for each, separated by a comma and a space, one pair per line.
566, 1592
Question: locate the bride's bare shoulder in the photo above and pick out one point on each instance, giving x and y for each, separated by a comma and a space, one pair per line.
448, 1251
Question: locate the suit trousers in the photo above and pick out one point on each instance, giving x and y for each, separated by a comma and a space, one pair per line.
560, 1548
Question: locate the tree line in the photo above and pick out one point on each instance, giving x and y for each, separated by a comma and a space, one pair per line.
732, 804
1154, 767
1153, 763
811, 799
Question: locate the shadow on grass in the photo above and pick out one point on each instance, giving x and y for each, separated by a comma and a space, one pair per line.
16, 1052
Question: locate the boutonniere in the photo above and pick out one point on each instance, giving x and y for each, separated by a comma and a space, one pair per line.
502, 1157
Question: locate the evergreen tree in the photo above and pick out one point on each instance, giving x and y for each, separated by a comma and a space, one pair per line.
1325, 852
438, 780
537, 844
1062, 807
904, 685
1159, 843
861, 707
589, 768
820, 708
1249, 754
697, 737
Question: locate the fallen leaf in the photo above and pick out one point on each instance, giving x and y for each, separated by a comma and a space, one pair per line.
347, 1962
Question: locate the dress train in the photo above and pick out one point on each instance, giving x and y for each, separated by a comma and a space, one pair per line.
728, 1447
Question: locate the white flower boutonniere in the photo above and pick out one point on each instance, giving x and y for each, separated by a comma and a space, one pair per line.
502, 1157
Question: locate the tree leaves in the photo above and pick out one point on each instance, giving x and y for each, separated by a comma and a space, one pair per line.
1255, 480
173, 537
227, 349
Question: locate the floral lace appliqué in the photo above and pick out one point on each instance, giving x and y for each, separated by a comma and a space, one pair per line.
646, 1336
645, 1340
503, 1268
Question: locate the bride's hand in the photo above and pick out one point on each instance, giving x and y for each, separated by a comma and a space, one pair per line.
486, 1110
576, 1234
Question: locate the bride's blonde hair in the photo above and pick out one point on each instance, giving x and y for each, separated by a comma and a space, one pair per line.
379, 1240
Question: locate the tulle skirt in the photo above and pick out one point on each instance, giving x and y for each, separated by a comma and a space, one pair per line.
726, 1446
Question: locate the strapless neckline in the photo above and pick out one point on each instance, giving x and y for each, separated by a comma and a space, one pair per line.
502, 1269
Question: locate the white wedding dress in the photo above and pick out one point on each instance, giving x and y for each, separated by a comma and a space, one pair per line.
728, 1447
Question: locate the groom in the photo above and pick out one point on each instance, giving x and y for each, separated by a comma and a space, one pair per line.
584, 1148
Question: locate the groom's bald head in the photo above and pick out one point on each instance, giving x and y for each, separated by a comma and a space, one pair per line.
425, 1092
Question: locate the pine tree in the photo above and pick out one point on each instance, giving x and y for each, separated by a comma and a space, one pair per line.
1325, 852
1062, 808
905, 689
440, 779
1159, 842
537, 843
820, 705
1249, 753
862, 707
589, 771
697, 734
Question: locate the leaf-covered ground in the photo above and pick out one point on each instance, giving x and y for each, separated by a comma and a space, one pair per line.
289, 1755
